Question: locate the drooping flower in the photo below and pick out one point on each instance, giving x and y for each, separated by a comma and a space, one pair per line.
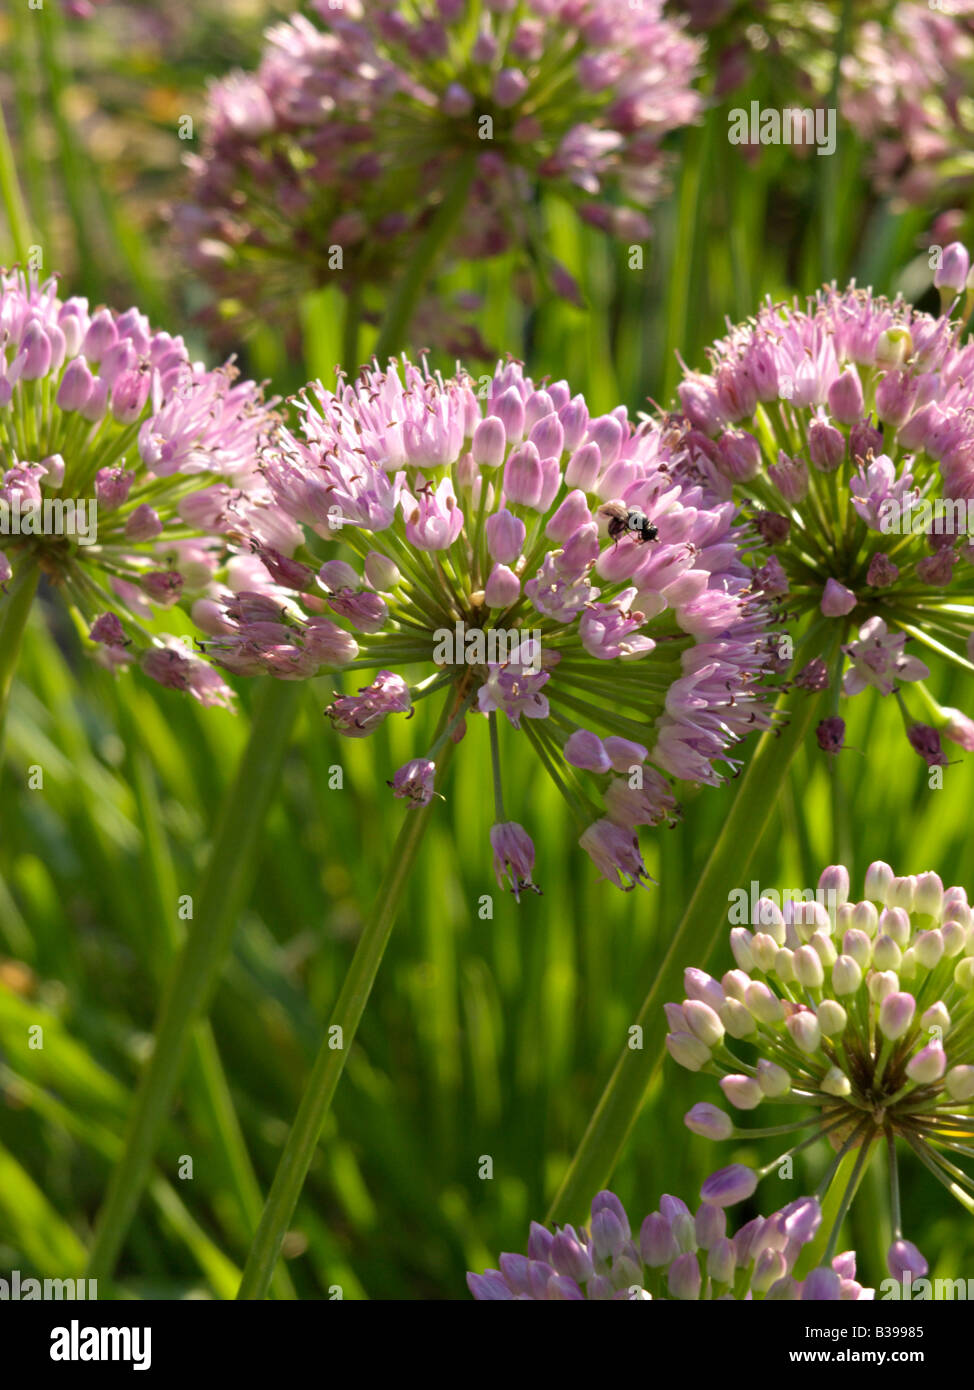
858, 1019
677, 1255
128, 474
846, 431
620, 662
326, 163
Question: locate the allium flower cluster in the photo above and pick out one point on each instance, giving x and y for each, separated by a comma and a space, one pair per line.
845, 429
907, 91
678, 1254
525, 559
860, 1012
904, 84
326, 163
128, 474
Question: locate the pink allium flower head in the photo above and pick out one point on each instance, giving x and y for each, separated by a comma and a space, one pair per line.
623, 643
676, 1255
880, 397
403, 102
860, 1014
904, 79
904, 90
128, 471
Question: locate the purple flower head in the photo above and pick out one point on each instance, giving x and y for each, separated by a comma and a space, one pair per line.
626, 652
407, 103
678, 1255
893, 482
856, 1024
154, 435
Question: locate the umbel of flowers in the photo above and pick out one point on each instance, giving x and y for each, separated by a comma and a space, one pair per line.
525, 559
904, 81
844, 428
128, 475
857, 1015
677, 1254
327, 163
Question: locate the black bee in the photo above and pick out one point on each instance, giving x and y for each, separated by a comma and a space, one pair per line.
625, 520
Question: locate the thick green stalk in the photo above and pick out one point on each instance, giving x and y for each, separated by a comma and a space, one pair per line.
56, 84
828, 202
14, 612
200, 962
350, 330
205, 1075
13, 200
292, 1168
682, 288
395, 325
703, 925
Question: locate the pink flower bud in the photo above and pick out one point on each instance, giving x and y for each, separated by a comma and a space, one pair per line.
523, 478
837, 600
586, 750
711, 1122
510, 84
76, 385
951, 273
144, 524
502, 588
826, 446
845, 397
505, 536
743, 1092
927, 1065
489, 442
729, 1186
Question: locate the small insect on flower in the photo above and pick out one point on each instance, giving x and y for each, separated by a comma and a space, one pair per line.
631, 521
479, 571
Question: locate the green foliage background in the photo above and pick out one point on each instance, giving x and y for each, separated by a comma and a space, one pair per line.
483, 1037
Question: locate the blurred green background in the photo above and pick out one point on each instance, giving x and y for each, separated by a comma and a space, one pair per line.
483, 1037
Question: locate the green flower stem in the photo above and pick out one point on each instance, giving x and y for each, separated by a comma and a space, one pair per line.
13, 200
395, 325
205, 1075
292, 1168
843, 1167
702, 927
56, 83
693, 193
200, 962
14, 612
828, 203
350, 330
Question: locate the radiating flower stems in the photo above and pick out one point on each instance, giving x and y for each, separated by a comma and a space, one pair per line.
292, 1168
13, 200
14, 612
395, 325
200, 962
702, 927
